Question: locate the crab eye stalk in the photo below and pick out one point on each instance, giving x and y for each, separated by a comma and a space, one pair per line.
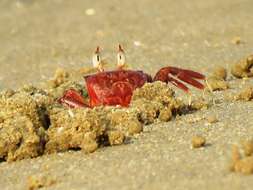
96, 60
121, 58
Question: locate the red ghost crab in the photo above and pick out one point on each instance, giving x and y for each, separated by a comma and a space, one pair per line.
116, 87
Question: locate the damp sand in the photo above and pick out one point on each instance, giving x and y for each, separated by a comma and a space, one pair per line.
35, 41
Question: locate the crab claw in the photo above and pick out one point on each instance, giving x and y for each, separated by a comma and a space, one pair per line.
71, 98
175, 75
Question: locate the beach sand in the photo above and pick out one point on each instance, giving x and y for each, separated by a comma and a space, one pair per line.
37, 37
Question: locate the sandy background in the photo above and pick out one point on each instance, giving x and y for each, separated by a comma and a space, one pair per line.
37, 37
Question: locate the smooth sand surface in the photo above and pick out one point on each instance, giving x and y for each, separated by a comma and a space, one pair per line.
37, 37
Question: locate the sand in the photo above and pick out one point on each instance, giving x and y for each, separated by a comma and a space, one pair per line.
39, 36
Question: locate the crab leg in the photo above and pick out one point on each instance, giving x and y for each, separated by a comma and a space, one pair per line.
185, 77
73, 99
178, 84
168, 74
189, 73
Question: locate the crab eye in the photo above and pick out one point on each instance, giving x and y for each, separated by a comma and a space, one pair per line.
121, 58
96, 60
